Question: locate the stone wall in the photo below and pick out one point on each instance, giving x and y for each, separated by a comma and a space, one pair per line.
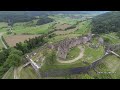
65, 45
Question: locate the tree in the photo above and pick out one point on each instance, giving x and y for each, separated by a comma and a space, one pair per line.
44, 20
106, 23
15, 51
13, 60
118, 34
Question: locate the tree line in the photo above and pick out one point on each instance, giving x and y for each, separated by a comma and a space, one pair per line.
44, 20
30, 44
9, 58
11, 19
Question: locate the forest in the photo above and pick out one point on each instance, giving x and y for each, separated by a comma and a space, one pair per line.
44, 20
106, 23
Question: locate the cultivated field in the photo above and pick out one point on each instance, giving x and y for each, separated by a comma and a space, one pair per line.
61, 26
12, 40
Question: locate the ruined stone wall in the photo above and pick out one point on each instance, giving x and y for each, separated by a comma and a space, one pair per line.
65, 45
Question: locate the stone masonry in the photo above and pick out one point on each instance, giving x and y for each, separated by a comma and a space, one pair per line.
65, 45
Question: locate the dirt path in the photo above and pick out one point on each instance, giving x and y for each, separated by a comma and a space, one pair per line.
75, 59
6, 74
15, 73
2, 40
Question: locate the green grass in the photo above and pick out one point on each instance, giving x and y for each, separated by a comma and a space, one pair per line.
90, 55
109, 64
61, 37
28, 73
62, 66
113, 38
1, 45
73, 53
84, 27
76, 76
9, 74
3, 26
41, 29
66, 20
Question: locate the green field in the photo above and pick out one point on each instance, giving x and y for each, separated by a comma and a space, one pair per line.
113, 38
84, 27
61, 37
28, 73
64, 19
90, 55
109, 64
3, 26
73, 53
9, 74
42, 29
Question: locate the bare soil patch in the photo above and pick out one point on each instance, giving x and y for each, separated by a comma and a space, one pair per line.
12, 40
62, 26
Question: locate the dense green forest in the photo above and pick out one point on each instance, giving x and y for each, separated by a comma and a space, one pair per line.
30, 44
105, 23
12, 18
9, 58
44, 20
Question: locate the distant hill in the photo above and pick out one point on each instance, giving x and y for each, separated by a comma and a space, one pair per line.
105, 23
22, 16
39, 13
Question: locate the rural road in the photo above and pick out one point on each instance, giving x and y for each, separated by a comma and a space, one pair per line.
2, 40
75, 59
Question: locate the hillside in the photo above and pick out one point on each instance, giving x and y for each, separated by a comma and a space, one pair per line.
59, 44
106, 23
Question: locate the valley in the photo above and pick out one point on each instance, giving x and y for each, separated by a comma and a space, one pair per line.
59, 46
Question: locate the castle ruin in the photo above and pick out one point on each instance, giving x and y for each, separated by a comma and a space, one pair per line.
65, 45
